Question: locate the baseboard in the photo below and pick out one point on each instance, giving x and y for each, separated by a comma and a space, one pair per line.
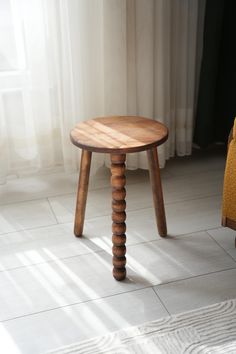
228, 223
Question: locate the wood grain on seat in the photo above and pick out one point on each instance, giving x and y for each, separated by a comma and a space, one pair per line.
119, 134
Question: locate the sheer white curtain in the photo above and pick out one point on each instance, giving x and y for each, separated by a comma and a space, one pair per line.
63, 61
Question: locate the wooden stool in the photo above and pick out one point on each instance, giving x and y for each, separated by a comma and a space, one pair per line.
117, 136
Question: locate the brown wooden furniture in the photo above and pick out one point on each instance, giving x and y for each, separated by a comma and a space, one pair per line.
118, 136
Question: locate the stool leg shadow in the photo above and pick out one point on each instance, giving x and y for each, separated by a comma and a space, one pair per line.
155, 179
82, 192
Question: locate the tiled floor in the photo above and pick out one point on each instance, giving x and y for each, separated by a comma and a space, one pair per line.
56, 289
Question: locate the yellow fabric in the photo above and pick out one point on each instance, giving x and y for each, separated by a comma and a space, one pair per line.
229, 195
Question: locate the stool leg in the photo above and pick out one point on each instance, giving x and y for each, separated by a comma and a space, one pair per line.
82, 192
118, 215
155, 178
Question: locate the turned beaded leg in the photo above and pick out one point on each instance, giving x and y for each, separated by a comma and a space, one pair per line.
82, 192
155, 178
118, 215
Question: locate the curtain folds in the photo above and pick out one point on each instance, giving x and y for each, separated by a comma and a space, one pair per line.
216, 108
77, 59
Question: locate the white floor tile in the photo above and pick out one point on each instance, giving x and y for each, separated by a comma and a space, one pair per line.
63, 282
20, 216
182, 218
140, 227
37, 187
27, 247
193, 215
175, 258
99, 202
61, 288
139, 195
197, 292
49, 330
226, 238
46, 185
176, 189
202, 185
56, 184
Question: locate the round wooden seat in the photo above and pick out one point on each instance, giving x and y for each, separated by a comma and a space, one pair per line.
118, 136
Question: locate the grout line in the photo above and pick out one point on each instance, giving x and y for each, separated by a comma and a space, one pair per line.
53, 213
228, 254
192, 199
77, 255
53, 260
48, 261
33, 228
195, 276
99, 250
113, 295
186, 175
158, 296
25, 201
74, 304
100, 188
70, 193
57, 223
214, 228
106, 215
148, 207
